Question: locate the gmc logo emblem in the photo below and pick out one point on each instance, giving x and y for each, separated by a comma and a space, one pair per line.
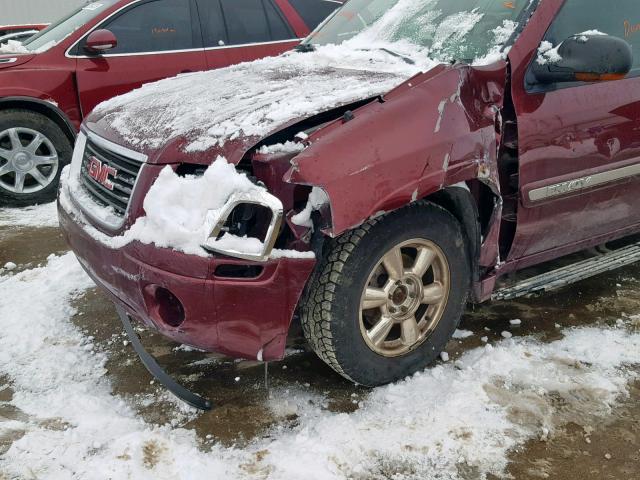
100, 172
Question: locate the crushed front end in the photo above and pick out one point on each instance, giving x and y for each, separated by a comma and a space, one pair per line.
222, 299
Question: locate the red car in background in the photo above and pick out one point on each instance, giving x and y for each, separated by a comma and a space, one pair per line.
107, 48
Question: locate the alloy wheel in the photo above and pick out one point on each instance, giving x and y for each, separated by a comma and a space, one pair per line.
405, 297
28, 161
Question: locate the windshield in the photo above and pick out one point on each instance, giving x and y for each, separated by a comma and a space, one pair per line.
58, 31
448, 30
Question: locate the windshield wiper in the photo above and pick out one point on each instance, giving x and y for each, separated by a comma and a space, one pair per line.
408, 60
305, 47
310, 47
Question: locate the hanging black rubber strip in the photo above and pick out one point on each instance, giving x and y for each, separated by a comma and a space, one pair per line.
157, 371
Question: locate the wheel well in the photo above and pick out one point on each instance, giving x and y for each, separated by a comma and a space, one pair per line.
473, 207
44, 108
461, 204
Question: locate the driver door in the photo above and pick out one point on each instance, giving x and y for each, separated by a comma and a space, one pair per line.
579, 143
156, 39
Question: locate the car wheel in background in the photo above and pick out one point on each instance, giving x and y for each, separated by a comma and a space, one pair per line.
33, 151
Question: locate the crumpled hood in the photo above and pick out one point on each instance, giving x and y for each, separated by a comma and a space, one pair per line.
226, 111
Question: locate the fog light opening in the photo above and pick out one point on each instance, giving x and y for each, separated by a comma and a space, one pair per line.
168, 308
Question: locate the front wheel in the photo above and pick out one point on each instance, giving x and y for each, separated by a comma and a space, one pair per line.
389, 295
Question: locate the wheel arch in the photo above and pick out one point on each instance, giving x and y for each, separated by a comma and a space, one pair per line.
458, 200
44, 108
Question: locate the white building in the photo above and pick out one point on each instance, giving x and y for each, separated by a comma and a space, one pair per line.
35, 11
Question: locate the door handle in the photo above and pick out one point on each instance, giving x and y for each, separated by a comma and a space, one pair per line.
186, 71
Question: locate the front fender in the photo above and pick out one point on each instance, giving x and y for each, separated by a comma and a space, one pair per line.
44, 105
54, 89
436, 130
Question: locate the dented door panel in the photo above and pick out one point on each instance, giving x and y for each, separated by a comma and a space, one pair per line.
578, 149
577, 165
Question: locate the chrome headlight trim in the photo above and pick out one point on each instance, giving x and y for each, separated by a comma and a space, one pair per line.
263, 199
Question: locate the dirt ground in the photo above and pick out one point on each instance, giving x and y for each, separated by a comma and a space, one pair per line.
582, 445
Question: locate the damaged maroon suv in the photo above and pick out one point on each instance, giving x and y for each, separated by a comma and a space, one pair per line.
407, 156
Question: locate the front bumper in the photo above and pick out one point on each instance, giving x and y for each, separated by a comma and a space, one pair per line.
240, 317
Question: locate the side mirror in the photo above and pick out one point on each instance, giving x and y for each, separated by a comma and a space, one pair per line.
584, 57
100, 41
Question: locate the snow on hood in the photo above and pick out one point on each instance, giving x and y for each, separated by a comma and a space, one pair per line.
250, 99
13, 47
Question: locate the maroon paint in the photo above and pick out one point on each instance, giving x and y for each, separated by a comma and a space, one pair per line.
567, 134
7, 29
431, 133
99, 78
101, 40
405, 150
218, 316
295, 20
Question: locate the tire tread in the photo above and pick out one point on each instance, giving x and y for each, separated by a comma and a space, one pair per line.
316, 315
316, 312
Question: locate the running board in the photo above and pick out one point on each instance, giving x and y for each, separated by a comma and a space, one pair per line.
157, 371
571, 274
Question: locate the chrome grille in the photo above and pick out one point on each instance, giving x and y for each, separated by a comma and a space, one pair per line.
123, 181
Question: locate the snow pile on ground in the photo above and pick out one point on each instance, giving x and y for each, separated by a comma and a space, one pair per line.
37, 216
469, 414
59, 382
465, 415
250, 99
180, 212
462, 334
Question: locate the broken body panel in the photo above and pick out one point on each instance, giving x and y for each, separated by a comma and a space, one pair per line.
472, 139
436, 145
